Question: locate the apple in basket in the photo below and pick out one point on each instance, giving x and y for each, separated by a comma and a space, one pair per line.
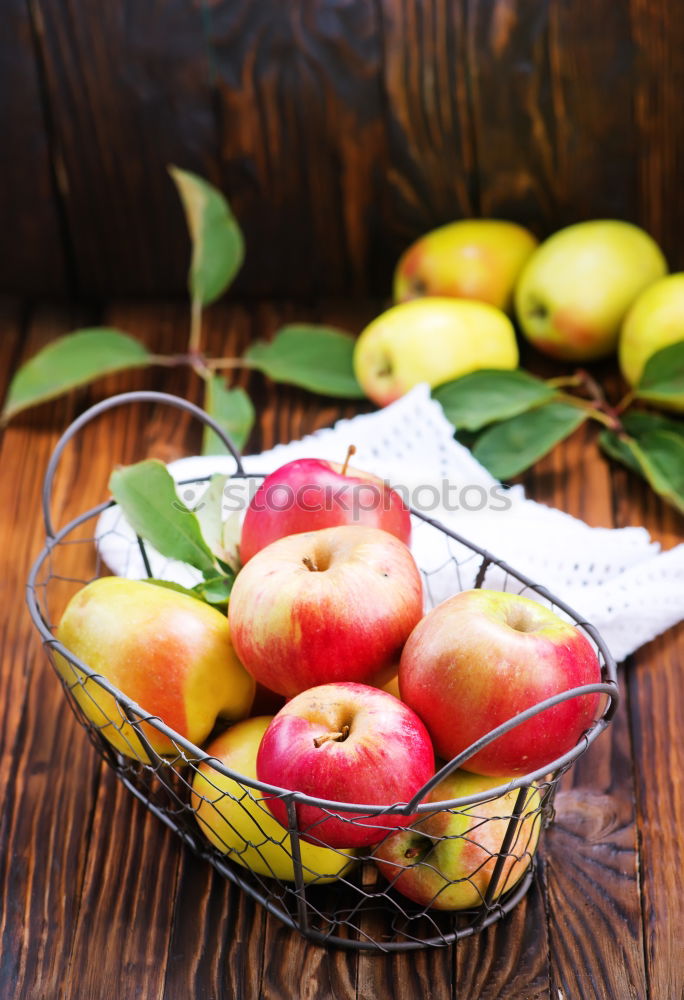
166, 651
310, 493
346, 743
322, 606
236, 819
482, 657
447, 858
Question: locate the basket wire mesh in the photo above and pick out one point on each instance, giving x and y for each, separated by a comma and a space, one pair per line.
224, 816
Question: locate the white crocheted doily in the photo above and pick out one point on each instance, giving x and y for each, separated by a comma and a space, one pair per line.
618, 579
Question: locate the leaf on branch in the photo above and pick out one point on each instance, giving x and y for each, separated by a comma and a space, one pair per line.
70, 361
232, 409
655, 454
478, 399
217, 243
638, 422
661, 457
216, 590
662, 380
209, 514
513, 445
318, 358
147, 495
619, 448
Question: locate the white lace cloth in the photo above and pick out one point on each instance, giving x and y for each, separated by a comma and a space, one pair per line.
618, 579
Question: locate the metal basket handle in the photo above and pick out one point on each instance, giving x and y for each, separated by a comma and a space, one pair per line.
142, 396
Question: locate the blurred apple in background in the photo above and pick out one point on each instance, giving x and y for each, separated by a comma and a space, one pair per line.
329, 605
469, 259
235, 818
431, 340
347, 743
169, 653
311, 493
655, 320
446, 860
575, 289
482, 657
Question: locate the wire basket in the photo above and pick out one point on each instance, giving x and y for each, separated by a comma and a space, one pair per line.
353, 900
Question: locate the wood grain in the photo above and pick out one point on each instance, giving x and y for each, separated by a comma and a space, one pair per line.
32, 246
128, 86
339, 129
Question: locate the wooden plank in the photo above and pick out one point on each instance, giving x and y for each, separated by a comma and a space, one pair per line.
656, 689
591, 861
130, 91
46, 772
432, 168
658, 30
591, 56
514, 122
303, 144
31, 243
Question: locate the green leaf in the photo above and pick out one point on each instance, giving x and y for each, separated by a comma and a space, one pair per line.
216, 590
70, 361
513, 445
208, 513
478, 399
217, 243
661, 456
318, 358
619, 448
637, 422
232, 409
662, 380
656, 455
147, 495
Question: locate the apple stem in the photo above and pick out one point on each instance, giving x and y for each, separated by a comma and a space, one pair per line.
351, 450
327, 737
310, 564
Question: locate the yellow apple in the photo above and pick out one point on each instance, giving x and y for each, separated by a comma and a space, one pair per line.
447, 858
469, 259
166, 651
236, 819
431, 340
575, 289
655, 320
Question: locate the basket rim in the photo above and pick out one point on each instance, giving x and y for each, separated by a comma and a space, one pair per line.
607, 687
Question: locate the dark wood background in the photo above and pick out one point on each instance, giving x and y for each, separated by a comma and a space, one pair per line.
340, 129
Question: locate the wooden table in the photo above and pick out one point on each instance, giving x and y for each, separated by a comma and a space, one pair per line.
97, 899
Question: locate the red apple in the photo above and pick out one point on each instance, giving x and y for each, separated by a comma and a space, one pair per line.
446, 859
482, 657
310, 493
322, 606
346, 743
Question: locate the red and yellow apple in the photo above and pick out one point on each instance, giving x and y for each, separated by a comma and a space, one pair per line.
469, 259
482, 657
166, 651
309, 494
577, 286
348, 743
431, 340
446, 859
235, 818
322, 606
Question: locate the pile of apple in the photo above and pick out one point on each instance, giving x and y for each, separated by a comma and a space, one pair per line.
587, 291
326, 610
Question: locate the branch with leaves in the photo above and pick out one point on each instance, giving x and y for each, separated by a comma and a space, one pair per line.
510, 419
